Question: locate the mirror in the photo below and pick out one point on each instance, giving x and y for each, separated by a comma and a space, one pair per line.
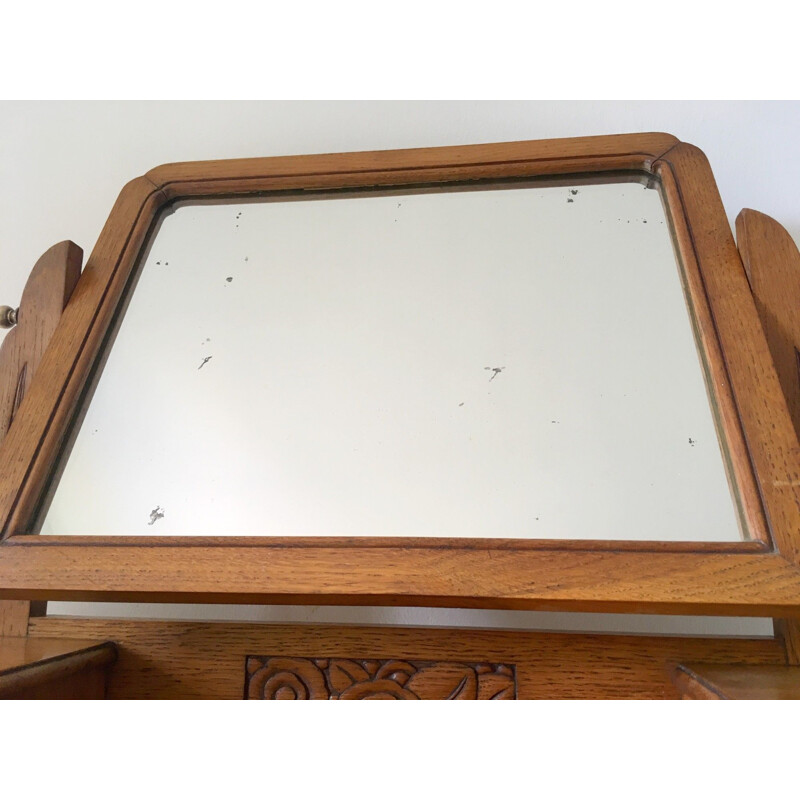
513, 360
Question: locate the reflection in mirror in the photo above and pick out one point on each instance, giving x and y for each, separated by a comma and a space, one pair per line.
513, 361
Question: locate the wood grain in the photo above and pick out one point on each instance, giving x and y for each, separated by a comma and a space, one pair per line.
689, 688
47, 291
772, 263
677, 583
737, 682
421, 165
14, 617
53, 668
205, 660
89, 684
788, 632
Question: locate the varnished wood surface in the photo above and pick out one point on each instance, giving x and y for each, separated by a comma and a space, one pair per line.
207, 660
772, 263
47, 291
679, 583
689, 688
52, 668
737, 682
49, 287
21, 652
420, 165
552, 575
88, 684
788, 632
14, 617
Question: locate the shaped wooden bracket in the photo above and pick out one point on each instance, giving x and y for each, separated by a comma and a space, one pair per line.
772, 263
47, 291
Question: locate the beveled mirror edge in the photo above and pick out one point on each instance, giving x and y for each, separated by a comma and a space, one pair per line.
85, 322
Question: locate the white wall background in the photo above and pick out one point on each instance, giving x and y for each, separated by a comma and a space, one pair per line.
63, 164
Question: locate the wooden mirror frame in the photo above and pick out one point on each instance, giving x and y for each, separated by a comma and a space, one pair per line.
760, 577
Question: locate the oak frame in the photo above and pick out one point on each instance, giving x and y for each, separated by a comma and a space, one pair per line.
760, 577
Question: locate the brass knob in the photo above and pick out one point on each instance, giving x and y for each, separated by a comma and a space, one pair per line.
8, 316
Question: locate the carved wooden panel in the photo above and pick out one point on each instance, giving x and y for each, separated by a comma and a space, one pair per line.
280, 678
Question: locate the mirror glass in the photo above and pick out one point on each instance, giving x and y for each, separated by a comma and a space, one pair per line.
512, 360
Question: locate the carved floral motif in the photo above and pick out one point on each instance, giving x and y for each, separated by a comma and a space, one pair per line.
279, 678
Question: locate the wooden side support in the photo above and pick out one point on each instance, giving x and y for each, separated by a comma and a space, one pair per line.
46, 293
772, 263
54, 669
14, 617
736, 682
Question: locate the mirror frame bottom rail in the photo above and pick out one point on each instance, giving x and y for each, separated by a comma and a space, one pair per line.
749, 583
760, 577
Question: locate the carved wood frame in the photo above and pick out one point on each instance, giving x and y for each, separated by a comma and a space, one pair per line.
760, 577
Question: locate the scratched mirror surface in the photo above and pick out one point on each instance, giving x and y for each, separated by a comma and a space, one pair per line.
512, 361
